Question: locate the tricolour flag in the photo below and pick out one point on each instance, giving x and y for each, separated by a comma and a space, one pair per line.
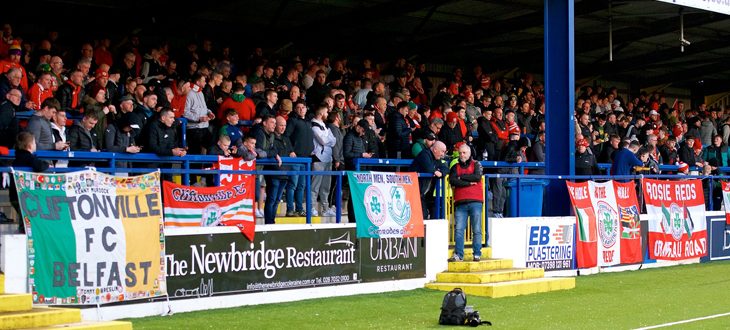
677, 227
93, 238
585, 218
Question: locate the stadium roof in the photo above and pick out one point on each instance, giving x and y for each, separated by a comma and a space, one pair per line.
500, 35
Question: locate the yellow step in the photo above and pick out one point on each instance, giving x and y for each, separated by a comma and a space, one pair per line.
39, 317
2, 283
491, 276
110, 325
481, 266
508, 289
16, 302
469, 252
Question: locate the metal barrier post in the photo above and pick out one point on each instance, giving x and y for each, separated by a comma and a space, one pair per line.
186, 176
439, 197
308, 193
711, 188
338, 199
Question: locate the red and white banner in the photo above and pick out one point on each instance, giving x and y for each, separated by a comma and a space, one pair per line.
726, 200
228, 205
628, 213
234, 164
585, 224
607, 223
603, 200
677, 227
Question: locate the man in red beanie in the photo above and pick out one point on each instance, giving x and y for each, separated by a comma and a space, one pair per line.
450, 133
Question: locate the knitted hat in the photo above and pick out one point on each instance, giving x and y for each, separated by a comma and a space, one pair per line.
451, 116
14, 48
100, 73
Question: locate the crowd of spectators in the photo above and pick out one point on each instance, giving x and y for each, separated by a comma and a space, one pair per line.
126, 98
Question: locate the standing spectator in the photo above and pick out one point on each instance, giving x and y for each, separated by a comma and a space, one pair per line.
334, 122
538, 152
687, 152
451, 132
231, 130
264, 133
8, 121
40, 126
316, 93
466, 179
267, 107
716, 154
585, 161
245, 108
487, 141
299, 132
354, 144
324, 141
399, 133
11, 80
624, 159
198, 116
275, 184
162, 139
429, 161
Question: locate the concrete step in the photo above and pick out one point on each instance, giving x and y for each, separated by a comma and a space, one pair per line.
469, 252
508, 289
16, 302
491, 276
39, 317
480, 266
110, 325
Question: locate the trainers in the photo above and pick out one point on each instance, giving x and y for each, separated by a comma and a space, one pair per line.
291, 214
315, 213
301, 213
259, 213
477, 258
455, 258
498, 215
331, 212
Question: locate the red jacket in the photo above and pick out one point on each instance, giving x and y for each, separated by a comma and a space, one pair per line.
246, 110
471, 193
37, 95
501, 129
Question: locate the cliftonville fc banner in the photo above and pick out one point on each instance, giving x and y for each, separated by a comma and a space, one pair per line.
92, 238
386, 204
230, 205
677, 227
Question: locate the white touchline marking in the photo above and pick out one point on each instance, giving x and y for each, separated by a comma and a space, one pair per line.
685, 321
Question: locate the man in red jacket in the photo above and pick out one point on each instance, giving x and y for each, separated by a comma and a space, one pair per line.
466, 180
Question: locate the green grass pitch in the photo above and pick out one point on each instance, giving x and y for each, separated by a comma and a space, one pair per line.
625, 300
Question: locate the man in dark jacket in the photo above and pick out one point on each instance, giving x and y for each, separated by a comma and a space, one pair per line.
466, 179
429, 161
71, 93
8, 121
487, 136
299, 132
585, 162
354, 144
162, 139
81, 136
398, 135
275, 184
